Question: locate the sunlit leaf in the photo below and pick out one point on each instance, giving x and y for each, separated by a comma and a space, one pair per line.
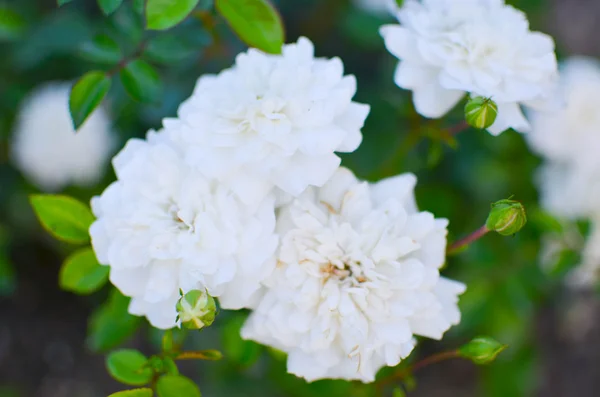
164, 14
81, 273
64, 217
256, 22
128, 366
86, 95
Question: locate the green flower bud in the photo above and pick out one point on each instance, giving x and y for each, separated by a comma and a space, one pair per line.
481, 350
507, 217
481, 112
196, 310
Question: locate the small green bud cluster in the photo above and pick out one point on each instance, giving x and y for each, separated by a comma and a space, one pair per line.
481, 112
482, 350
506, 217
196, 309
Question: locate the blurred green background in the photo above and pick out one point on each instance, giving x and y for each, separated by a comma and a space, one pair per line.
51, 342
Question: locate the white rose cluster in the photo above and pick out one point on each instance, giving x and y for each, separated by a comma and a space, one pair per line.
48, 150
242, 195
449, 48
569, 141
357, 278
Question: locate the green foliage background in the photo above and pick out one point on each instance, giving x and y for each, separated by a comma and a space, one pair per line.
458, 180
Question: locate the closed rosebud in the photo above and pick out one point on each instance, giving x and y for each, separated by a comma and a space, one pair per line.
481, 112
196, 310
507, 217
482, 350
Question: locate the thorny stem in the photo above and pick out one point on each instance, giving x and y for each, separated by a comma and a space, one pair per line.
463, 242
400, 375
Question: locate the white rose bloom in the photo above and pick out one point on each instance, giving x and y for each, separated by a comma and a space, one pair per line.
483, 47
163, 226
46, 148
357, 278
271, 120
572, 133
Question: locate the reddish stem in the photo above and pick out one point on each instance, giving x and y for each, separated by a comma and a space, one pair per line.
463, 242
434, 359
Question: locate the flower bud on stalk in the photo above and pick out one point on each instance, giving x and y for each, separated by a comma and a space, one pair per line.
196, 310
507, 217
481, 112
482, 350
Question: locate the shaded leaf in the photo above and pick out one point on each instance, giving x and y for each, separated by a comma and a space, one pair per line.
62, 2
111, 324
256, 22
240, 351
12, 25
164, 14
141, 81
109, 6
102, 49
64, 217
86, 95
169, 49
129, 366
81, 273
176, 386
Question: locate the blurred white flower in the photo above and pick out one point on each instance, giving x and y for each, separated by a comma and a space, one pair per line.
587, 274
377, 7
46, 148
483, 47
163, 226
569, 140
357, 277
571, 134
271, 120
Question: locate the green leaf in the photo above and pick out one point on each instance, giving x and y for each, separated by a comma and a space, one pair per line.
86, 95
164, 14
64, 217
138, 6
170, 367
398, 392
101, 49
129, 366
12, 25
169, 49
145, 392
109, 6
256, 22
176, 386
62, 2
7, 273
141, 81
111, 324
81, 273
242, 352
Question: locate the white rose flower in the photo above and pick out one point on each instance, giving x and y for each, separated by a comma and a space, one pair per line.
271, 120
572, 133
46, 148
357, 277
163, 226
482, 47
